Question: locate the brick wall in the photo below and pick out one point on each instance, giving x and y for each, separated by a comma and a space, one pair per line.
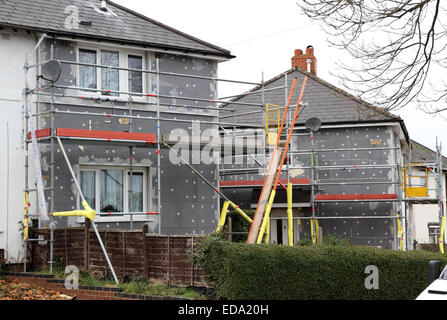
130, 251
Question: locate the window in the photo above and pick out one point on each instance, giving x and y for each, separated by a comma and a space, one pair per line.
104, 189
87, 74
136, 198
110, 78
433, 232
88, 186
111, 191
136, 78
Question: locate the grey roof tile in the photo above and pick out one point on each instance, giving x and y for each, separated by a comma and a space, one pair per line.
128, 26
326, 102
421, 153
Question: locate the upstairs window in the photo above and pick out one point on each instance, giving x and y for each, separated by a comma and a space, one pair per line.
110, 81
136, 78
87, 74
110, 78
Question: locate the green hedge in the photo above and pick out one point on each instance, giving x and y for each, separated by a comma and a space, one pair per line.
327, 272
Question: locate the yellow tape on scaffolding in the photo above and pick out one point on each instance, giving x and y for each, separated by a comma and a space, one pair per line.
25, 216
441, 236
87, 212
400, 234
314, 230
290, 213
223, 216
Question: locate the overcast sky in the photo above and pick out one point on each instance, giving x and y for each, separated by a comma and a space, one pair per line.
263, 34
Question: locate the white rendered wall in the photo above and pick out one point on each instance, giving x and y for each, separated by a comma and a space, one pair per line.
13, 47
425, 213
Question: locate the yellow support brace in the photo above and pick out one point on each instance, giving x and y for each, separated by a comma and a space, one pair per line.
441, 236
87, 212
268, 208
25, 216
312, 231
242, 213
223, 216
267, 232
290, 213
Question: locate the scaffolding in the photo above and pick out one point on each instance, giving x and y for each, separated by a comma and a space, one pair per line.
153, 103
54, 136
403, 197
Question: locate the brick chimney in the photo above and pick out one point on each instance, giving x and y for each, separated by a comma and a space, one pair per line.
300, 60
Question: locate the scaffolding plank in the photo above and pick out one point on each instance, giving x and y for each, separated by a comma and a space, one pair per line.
341, 197
108, 136
254, 183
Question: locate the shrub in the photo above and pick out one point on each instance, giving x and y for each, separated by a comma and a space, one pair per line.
322, 272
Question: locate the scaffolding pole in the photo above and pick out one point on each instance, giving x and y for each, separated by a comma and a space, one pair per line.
157, 63
81, 195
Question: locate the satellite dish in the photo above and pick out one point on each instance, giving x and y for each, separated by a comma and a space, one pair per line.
51, 70
313, 124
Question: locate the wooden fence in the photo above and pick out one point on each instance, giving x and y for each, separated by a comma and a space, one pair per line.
132, 252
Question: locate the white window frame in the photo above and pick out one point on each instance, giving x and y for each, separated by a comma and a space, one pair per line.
147, 201
123, 74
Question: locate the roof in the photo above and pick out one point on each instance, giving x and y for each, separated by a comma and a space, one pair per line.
325, 101
421, 153
124, 25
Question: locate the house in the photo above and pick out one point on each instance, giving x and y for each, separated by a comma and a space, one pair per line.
96, 43
423, 218
360, 151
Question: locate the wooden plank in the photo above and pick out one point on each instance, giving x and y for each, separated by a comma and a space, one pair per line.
264, 197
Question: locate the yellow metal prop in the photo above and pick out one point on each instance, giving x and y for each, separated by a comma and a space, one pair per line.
400, 235
441, 236
87, 212
268, 208
223, 216
25, 217
314, 230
